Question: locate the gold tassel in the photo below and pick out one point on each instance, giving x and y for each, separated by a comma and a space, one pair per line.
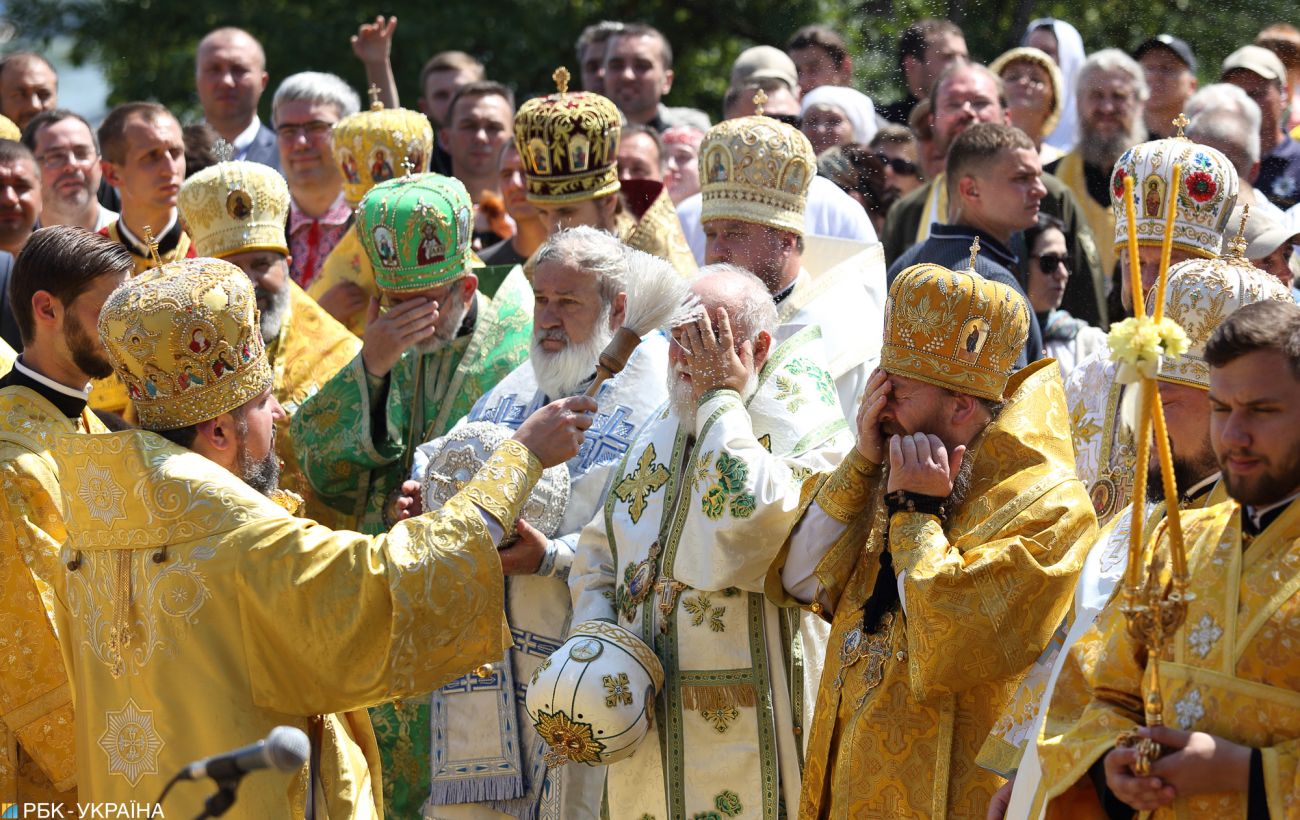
706, 698
119, 635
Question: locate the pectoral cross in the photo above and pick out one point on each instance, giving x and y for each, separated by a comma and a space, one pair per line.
669, 591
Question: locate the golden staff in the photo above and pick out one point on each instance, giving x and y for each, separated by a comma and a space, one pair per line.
1154, 609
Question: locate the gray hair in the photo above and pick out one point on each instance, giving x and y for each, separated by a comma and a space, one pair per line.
319, 88
593, 251
1204, 109
1227, 131
754, 311
1112, 59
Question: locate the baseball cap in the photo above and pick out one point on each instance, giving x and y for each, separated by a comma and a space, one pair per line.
764, 63
1178, 47
1257, 59
1262, 234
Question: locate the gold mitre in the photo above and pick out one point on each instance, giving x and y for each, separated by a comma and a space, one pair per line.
1207, 193
9, 129
185, 339
1200, 295
233, 207
377, 145
756, 169
954, 329
569, 144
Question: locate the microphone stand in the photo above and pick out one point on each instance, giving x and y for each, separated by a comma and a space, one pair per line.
220, 801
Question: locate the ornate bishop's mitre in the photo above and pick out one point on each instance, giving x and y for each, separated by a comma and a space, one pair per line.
380, 144
416, 231
1206, 193
954, 329
568, 142
756, 169
233, 207
184, 338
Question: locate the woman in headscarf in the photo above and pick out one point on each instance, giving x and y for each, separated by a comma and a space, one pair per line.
836, 115
1033, 90
1063, 43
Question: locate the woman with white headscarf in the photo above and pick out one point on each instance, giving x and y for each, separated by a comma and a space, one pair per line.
836, 115
1033, 87
1064, 44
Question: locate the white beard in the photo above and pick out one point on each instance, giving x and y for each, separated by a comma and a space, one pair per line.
274, 313
681, 396
560, 373
444, 331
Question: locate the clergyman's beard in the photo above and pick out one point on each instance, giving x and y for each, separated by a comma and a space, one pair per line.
561, 373
87, 351
681, 397
274, 308
1103, 151
445, 330
1187, 472
262, 475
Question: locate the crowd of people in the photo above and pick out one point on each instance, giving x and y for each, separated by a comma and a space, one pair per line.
581, 457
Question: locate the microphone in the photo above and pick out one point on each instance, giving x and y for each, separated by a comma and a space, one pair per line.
285, 749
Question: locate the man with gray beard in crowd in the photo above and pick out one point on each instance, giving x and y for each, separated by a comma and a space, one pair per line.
1112, 90
580, 284
237, 211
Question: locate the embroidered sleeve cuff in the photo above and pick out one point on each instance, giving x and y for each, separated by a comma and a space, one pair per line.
849, 488
910, 536
558, 559
503, 482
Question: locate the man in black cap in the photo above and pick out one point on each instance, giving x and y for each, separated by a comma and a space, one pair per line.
1170, 69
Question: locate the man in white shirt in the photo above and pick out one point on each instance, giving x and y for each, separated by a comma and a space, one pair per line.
67, 158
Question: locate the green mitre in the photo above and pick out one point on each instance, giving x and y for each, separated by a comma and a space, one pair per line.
416, 231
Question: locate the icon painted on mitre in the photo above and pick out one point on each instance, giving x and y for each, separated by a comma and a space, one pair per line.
612, 135
971, 341
385, 246
416, 157
579, 157
794, 178
239, 204
538, 156
717, 166
431, 249
199, 342
188, 378
350, 171
1153, 194
381, 169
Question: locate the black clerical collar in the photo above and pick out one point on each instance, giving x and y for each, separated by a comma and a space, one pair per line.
1255, 520
67, 400
167, 242
783, 294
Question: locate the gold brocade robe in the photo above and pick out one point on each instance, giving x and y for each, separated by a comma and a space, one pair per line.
982, 596
347, 262
37, 760
311, 348
239, 617
1230, 670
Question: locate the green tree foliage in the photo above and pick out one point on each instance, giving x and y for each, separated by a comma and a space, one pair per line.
147, 46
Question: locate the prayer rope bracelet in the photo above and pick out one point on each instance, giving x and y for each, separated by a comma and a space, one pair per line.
904, 501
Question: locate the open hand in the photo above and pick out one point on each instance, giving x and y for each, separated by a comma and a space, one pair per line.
344, 301
373, 42
919, 463
389, 335
871, 442
714, 361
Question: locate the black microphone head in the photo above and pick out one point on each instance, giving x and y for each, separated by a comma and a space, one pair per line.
287, 748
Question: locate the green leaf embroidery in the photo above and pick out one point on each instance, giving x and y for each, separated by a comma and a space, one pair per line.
714, 502
742, 506
728, 803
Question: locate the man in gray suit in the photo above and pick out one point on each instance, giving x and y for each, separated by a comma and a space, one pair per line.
230, 74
